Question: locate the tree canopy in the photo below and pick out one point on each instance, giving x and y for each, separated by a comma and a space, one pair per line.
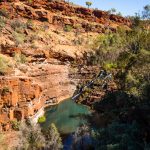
88, 3
146, 12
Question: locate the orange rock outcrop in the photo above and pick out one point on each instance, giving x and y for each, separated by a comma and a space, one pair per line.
62, 13
20, 98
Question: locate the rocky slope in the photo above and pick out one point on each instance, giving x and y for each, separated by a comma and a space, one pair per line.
38, 42
92, 86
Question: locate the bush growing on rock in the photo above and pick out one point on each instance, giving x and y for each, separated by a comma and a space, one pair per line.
5, 65
4, 13
42, 119
30, 24
67, 28
112, 11
2, 23
15, 125
5, 90
30, 1
18, 25
20, 58
19, 38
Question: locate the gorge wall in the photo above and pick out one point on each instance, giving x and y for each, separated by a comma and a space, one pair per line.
62, 13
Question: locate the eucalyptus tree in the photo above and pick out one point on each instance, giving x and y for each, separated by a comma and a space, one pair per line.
31, 137
53, 139
146, 12
88, 3
112, 11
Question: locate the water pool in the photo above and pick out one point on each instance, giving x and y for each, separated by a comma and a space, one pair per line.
67, 116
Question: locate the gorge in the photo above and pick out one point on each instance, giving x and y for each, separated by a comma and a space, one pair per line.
80, 69
37, 53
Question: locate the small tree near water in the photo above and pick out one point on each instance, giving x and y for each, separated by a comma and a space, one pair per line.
31, 137
53, 139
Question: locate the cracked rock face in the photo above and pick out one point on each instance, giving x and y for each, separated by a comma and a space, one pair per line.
22, 96
16, 95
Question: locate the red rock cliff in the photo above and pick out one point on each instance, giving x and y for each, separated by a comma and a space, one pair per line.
62, 13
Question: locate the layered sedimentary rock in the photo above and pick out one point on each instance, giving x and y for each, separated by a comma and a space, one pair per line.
25, 97
54, 81
19, 98
62, 13
93, 89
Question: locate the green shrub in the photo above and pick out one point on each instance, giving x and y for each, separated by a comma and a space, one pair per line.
18, 25
2, 22
4, 13
78, 41
134, 91
20, 58
68, 28
42, 119
23, 58
30, 1
19, 38
110, 66
30, 24
15, 125
34, 45
1, 137
5, 90
5, 65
